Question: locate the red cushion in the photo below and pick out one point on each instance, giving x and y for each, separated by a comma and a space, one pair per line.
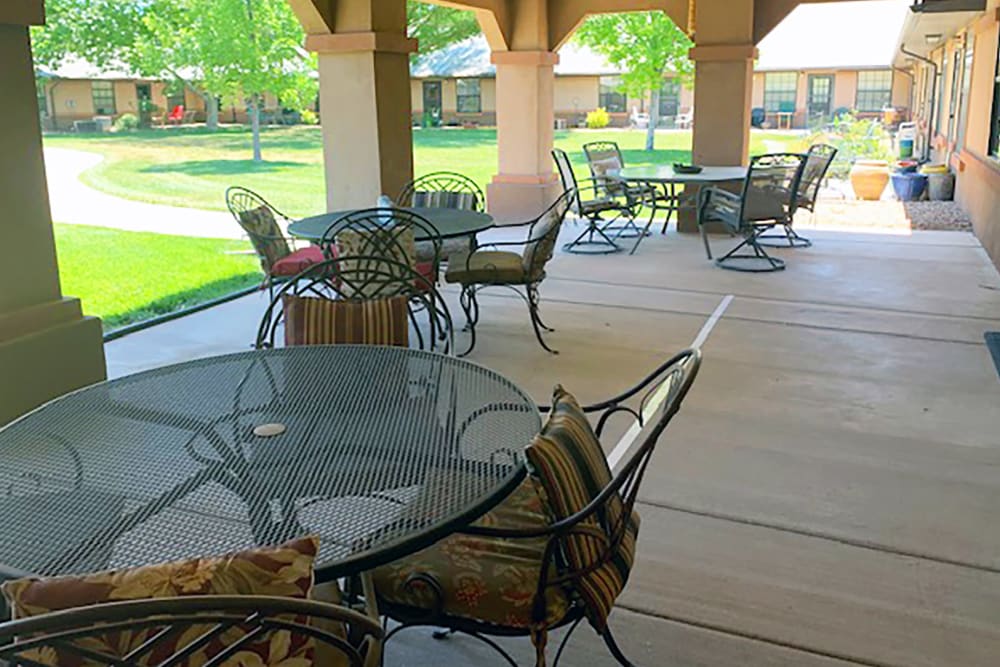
426, 269
297, 262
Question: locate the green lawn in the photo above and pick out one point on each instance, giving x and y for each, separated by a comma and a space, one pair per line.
125, 277
194, 167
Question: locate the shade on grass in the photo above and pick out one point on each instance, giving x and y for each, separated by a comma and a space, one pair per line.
125, 277
193, 167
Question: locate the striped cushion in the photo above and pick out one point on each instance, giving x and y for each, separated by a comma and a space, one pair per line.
570, 468
467, 201
312, 321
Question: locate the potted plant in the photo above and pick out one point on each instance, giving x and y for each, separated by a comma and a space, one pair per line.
866, 147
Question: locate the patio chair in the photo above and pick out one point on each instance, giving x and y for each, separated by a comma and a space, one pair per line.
176, 115
685, 119
595, 239
443, 189
358, 300
769, 198
259, 220
496, 267
818, 161
389, 233
206, 629
605, 160
549, 559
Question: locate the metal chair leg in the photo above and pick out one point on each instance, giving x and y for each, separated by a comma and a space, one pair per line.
467, 299
535, 321
616, 653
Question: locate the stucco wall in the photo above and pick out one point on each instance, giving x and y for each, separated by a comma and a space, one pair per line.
575, 94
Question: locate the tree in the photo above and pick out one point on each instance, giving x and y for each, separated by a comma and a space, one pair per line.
238, 50
645, 45
435, 27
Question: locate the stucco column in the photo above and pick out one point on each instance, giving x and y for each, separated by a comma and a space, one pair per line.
47, 347
364, 85
526, 182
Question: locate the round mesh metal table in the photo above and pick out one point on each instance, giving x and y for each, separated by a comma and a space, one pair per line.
379, 451
450, 223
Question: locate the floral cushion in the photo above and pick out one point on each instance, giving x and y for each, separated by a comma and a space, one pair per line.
286, 570
265, 235
314, 321
480, 578
570, 467
361, 250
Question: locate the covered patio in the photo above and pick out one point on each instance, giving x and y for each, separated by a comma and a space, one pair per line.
825, 498
828, 495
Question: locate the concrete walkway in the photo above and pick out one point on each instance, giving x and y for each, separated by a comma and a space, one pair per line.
828, 495
75, 203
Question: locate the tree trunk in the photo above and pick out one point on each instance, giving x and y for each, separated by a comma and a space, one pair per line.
211, 112
654, 118
255, 127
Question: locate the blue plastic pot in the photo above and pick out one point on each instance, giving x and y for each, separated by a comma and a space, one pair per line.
909, 187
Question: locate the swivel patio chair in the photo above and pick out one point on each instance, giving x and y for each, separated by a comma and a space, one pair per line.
818, 161
549, 559
595, 239
605, 160
769, 198
496, 267
259, 220
210, 629
359, 300
443, 189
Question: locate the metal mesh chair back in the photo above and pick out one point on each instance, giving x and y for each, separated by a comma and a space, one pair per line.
568, 178
770, 192
189, 630
354, 279
443, 189
542, 236
818, 161
259, 220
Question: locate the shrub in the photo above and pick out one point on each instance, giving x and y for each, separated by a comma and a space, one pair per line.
598, 118
127, 123
309, 117
854, 139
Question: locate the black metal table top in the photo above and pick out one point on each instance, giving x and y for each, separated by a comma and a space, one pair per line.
382, 451
450, 223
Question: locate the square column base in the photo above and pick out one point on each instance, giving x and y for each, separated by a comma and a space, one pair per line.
512, 201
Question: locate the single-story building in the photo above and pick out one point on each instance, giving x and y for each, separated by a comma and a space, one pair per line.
952, 49
821, 58
80, 91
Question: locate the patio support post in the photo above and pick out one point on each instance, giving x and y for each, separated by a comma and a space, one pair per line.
365, 109
724, 54
526, 183
47, 346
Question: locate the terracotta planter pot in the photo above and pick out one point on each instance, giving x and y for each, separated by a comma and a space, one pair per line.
869, 178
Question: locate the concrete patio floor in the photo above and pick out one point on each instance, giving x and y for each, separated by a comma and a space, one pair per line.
827, 496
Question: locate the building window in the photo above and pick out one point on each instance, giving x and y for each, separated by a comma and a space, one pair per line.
995, 118
939, 117
611, 98
104, 97
874, 90
956, 77
780, 91
670, 98
470, 98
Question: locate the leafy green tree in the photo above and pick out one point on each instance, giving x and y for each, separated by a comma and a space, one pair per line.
645, 45
237, 50
435, 27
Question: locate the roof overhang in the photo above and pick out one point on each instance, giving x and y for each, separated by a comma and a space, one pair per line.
931, 23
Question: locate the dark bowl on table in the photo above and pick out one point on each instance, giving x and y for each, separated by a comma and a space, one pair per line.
687, 168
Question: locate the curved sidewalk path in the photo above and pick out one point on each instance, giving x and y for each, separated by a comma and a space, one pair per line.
75, 203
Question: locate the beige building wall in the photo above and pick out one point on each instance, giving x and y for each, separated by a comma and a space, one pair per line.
845, 90
575, 94
757, 96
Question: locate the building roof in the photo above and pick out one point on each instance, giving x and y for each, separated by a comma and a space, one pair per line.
835, 35
471, 58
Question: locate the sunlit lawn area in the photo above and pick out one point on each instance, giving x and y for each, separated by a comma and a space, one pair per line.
124, 277
194, 167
